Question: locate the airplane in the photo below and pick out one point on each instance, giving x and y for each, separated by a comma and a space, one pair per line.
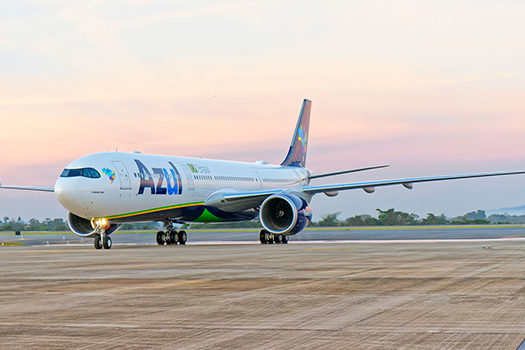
102, 191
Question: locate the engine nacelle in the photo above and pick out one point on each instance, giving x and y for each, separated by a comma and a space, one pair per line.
285, 214
84, 228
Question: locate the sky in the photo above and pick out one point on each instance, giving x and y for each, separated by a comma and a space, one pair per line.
428, 87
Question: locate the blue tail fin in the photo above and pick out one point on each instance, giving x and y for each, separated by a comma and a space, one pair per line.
297, 154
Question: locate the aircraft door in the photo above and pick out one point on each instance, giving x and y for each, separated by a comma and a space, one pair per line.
123, 176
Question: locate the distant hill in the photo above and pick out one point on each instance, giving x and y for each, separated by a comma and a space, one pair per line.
509, 211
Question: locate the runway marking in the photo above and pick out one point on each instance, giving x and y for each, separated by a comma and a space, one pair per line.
50, 251
324, 249
110, 325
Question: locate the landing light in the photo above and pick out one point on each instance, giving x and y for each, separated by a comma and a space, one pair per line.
101, 222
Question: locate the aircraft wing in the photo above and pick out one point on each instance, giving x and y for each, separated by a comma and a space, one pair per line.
239, 201
246, 200
369, 186
28, 188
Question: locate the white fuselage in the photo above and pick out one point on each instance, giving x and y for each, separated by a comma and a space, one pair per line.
139, 187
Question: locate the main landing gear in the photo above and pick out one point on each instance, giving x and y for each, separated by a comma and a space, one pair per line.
269, 238
171, 236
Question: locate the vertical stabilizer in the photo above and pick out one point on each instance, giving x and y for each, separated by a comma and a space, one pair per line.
297, 154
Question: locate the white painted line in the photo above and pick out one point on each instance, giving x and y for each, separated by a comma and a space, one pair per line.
377, 241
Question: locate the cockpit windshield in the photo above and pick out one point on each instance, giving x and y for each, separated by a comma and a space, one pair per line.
84, 172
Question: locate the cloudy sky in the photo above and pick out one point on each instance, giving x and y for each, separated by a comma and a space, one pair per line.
429, 87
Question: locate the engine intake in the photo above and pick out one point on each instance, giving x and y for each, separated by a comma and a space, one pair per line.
84, 228
285, 214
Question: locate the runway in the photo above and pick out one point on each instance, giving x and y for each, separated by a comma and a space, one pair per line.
417, 295
246, 236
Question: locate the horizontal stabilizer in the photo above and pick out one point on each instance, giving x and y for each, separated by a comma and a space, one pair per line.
346, 171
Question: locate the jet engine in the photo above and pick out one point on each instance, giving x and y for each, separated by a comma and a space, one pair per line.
285, 214
84, 227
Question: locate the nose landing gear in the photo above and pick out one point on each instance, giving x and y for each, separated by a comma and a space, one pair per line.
102, 239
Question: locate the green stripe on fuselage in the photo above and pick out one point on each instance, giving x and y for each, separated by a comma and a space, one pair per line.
147, 211
206, 216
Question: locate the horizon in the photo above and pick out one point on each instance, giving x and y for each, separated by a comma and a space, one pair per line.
430, 88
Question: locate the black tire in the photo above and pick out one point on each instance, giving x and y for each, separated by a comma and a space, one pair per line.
173, 237
269, 238
160, 241
97, 242
107, 242
182, 237
277, 239
262, 236
284, 239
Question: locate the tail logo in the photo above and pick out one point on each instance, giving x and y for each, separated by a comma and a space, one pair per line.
302, 137
297, 153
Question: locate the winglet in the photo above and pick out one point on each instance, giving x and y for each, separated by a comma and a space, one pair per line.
297, 153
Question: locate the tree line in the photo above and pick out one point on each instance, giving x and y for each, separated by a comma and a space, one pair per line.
388, 217
10, 224
392, 217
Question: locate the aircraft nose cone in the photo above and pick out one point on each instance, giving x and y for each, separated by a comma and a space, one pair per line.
70, 195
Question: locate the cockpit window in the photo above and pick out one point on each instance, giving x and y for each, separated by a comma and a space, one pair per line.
85, 172
90, 172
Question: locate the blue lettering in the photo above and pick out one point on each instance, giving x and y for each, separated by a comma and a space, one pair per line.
179, 180
173, 180
146, 180
173, 187
160, 189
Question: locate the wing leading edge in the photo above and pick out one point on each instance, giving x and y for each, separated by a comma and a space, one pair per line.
406, 182
28, 188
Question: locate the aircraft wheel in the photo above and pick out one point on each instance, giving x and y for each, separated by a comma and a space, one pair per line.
160, 238
173, 237
284, 239
277, 239
107, 242
262, 236
97, 242
269, 238
182, 237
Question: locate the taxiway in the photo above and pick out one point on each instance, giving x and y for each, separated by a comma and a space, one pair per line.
433, 295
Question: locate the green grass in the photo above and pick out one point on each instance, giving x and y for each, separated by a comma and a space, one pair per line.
337, 228
412, 227
11, 244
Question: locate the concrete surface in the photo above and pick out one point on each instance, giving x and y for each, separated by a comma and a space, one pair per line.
460, 295
310, 234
